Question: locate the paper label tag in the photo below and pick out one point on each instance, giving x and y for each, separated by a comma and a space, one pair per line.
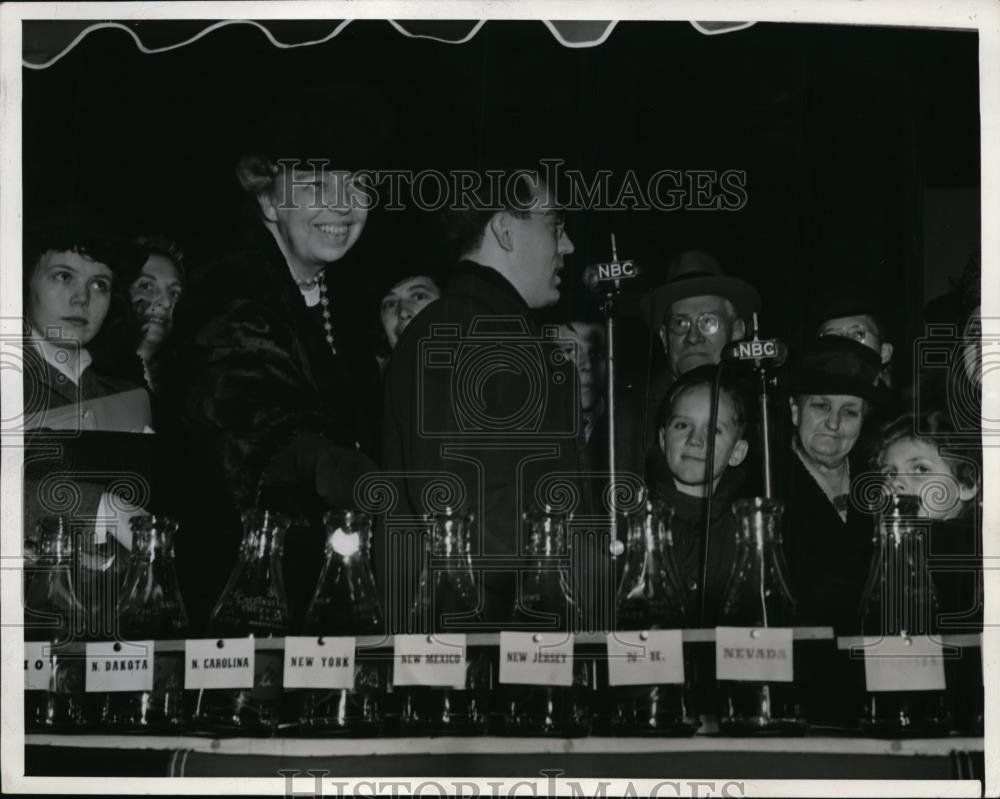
119, 666
653, 657
209, 665
37, 665
895, 663
536, 658
437, 660
753, 654
312, 662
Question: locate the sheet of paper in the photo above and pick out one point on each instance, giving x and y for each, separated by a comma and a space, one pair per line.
312, 662
753, 654
219, 663
652, 657
536, 658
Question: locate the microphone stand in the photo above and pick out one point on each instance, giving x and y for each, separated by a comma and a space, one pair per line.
765, 421
609, 326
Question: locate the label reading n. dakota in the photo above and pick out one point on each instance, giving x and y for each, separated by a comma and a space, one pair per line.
312, 662
655, 657
37, 665
753, 654
208, 665
119, 666
536, 658
895, 663
429, 660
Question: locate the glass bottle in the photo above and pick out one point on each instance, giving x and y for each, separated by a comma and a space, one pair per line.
651, 596
253, 604
346, 604
151, 608
544, 592
758, 596
447, 589
54, 615
900, 600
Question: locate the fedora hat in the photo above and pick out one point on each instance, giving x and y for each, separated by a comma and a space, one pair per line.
839, 366
695, 273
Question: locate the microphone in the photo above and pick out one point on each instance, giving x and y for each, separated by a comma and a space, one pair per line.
610, 274
758, 350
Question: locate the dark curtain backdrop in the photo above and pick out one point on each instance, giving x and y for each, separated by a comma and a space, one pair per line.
839, 129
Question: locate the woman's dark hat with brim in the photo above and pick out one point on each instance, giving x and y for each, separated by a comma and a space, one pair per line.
694, 273
835, 365
344, 125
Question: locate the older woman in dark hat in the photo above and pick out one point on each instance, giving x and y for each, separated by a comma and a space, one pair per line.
271, 371
827, 536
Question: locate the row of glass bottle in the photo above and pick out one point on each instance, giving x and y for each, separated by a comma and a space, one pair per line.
650, 596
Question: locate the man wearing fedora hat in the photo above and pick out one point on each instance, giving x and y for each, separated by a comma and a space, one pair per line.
696, 312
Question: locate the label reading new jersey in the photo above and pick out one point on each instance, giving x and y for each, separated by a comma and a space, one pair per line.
219, 663
312, 662
437, 660
536, 658
897, 663
654, 657
753, 654
119, 666
37, 665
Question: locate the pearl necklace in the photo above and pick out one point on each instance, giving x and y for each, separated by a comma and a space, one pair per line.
319, 281
325, 304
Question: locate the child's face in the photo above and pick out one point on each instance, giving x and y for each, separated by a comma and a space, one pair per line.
684, 439
912, 466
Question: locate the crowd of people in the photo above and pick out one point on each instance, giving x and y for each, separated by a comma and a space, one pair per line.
258, 384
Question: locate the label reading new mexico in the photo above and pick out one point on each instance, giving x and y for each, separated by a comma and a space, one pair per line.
37, 665
312, 662
653, 657
895, 663
753, 654
536, 658
119, 666
218, 663
437, 660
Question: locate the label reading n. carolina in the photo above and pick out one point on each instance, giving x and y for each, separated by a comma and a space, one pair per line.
209, 665
119, 666
429, 660
37, 665
536, 658
654, 657
895, 663
753, 654
312, 662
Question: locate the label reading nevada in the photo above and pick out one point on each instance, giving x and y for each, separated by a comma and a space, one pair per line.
119, 666
753, 654
653, 657
312, 662
37, 665
219, 663
536, 658
895, 663
437, 660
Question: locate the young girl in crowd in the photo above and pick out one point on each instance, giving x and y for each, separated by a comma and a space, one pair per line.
921, 455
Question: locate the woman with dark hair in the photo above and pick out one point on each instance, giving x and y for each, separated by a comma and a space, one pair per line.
71, 266
270, 375
153, 293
